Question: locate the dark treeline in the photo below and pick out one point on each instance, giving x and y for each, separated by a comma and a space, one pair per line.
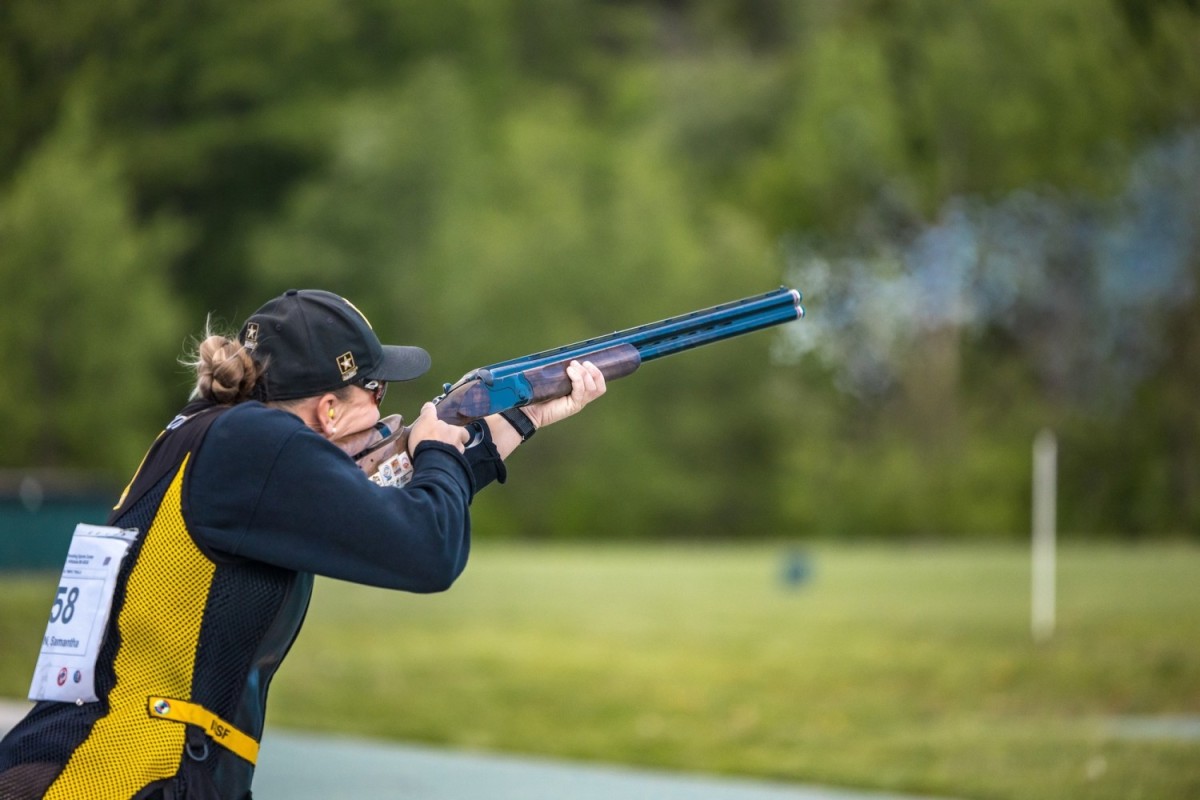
991, 207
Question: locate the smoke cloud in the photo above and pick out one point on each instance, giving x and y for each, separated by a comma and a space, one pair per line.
1082, 284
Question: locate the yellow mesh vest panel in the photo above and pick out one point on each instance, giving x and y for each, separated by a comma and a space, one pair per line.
160, 627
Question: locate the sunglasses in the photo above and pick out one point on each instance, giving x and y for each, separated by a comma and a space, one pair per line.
377, 389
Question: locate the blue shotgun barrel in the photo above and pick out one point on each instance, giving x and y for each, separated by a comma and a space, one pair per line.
675, 334
541, 376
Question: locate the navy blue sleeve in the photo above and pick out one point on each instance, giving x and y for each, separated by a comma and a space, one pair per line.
265, 487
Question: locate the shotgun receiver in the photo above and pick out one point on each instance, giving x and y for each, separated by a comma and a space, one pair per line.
542, 376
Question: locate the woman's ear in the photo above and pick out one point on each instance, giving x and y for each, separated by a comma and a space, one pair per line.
328, 408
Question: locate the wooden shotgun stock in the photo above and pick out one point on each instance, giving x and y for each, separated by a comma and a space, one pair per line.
381, 451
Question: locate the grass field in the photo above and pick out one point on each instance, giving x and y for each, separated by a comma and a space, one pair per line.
901, 668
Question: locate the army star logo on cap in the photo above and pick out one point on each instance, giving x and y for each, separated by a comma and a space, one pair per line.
346, 365
251, 335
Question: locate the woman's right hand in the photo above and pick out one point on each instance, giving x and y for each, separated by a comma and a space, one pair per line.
428, 428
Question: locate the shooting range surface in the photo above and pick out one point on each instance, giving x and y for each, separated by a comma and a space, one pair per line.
303, 766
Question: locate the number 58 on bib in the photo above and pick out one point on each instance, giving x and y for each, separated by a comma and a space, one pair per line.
66, 667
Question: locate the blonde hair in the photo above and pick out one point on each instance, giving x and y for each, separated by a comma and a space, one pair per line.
225, 371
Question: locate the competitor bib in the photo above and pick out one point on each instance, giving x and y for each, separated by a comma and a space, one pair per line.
66, 667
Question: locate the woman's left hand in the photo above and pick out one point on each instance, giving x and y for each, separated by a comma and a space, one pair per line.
587, 383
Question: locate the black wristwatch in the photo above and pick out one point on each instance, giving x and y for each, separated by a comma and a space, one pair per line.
521, 421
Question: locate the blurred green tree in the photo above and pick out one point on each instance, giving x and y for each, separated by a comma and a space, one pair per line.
90, 322
490, 178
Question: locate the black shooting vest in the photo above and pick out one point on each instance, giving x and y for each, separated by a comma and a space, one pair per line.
191, 644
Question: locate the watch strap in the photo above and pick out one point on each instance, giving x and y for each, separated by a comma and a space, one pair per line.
521, 421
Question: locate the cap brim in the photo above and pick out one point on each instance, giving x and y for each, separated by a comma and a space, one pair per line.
401, 363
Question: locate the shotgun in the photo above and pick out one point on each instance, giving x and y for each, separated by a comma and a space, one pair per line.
381, 451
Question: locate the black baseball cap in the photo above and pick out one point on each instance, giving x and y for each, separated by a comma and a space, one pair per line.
313, 341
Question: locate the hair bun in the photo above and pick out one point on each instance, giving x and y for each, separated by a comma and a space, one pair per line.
225, 371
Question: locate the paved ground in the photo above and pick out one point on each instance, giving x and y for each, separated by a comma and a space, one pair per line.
301, 766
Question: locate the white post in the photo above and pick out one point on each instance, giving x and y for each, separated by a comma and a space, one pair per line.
1045, 468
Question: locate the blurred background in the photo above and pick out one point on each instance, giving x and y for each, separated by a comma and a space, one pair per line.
991, 208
